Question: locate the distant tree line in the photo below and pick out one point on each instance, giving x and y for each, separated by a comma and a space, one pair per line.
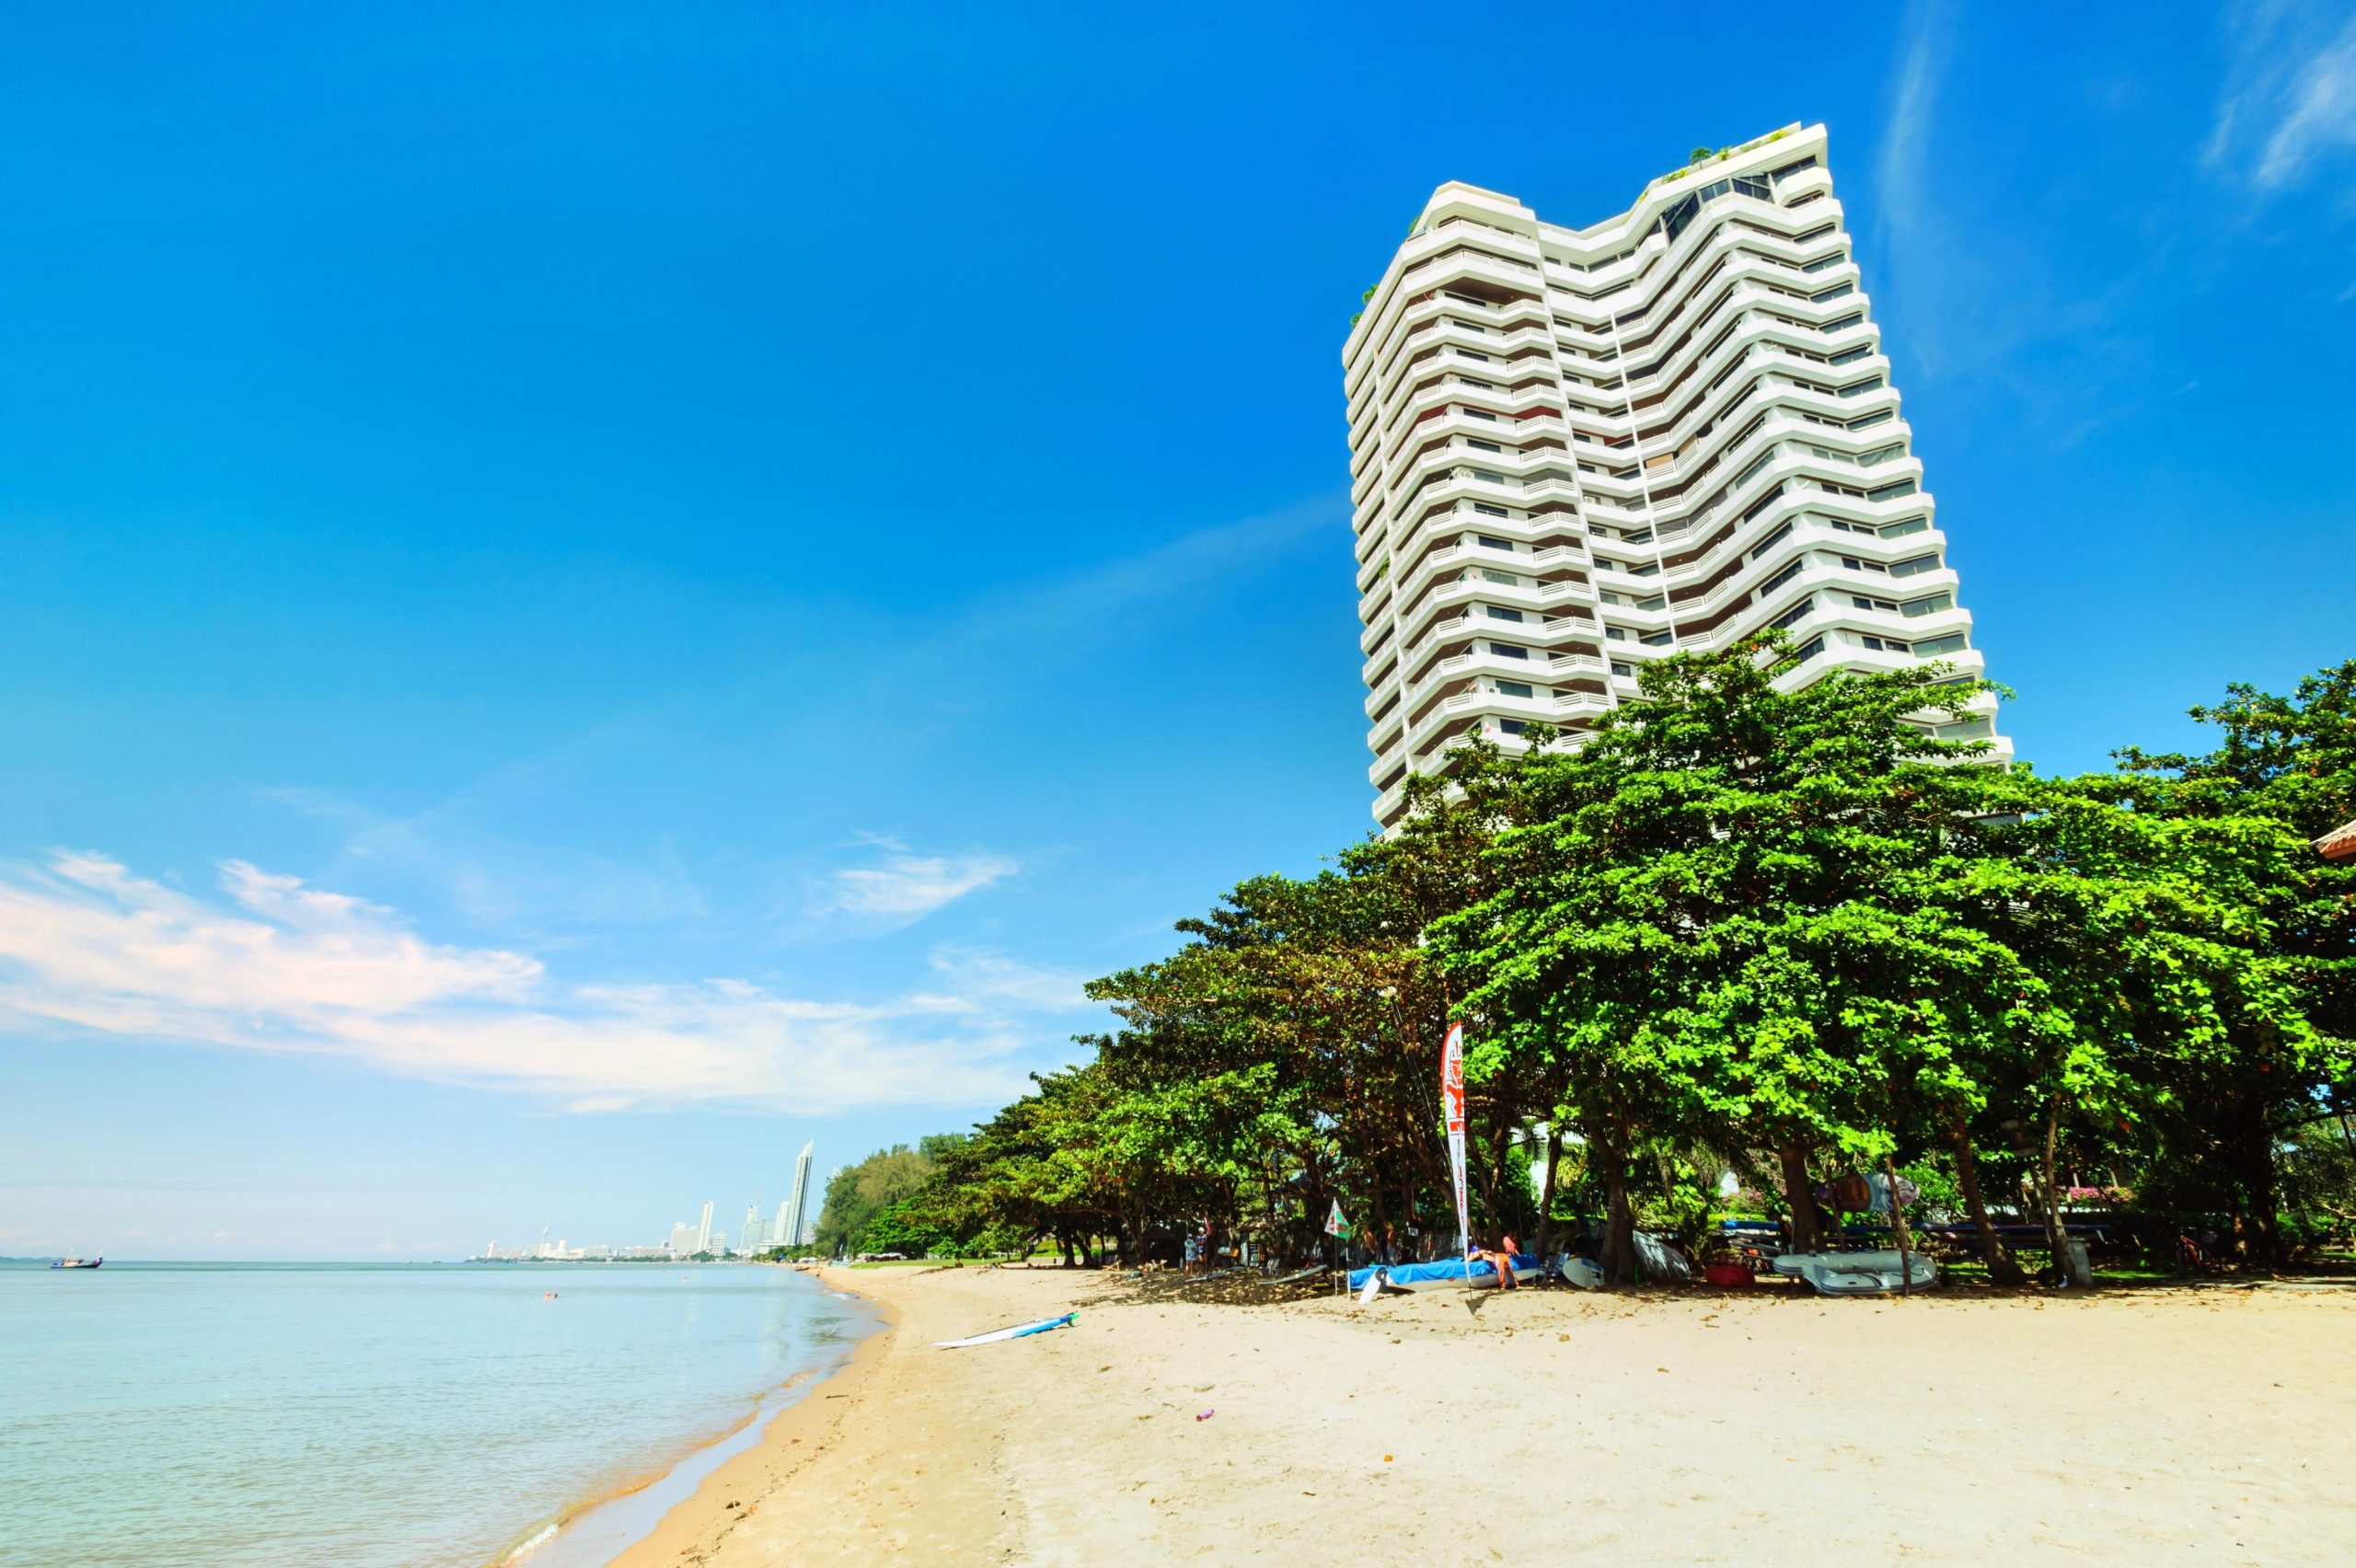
1791, 935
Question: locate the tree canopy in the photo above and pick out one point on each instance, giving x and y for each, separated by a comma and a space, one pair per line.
1746, 927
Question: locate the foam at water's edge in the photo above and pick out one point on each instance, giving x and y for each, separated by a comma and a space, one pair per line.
539, 1538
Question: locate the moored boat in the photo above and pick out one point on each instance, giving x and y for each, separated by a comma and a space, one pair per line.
77, 1262
1449, 1274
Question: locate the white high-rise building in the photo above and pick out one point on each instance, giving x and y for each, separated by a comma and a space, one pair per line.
752, 1231
796, 1215
1576, 449
703, 1229
683, 1239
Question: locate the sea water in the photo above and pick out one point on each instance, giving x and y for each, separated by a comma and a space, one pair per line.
375, 1416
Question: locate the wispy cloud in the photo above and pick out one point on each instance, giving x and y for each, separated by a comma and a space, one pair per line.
2289, 95
274, 964
1902, 173
502, 882
902, 888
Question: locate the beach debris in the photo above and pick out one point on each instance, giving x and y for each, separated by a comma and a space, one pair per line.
1204, 1415
1020, 1331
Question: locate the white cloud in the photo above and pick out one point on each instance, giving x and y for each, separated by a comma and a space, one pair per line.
2289, 93
904, 888
277, 965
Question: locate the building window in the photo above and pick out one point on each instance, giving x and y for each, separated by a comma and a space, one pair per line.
1498, 612
1508, 577
1932, 647
1507, 651
1772, 540
1510, 726
1620, 669
1490, 541
1794, 615
1656, 639
1809, 649
1883, 644
1931, 605
1486, 510
1480, 445
1914, 567
1513, 688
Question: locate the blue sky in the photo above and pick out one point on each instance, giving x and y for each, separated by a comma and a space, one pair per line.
589, 596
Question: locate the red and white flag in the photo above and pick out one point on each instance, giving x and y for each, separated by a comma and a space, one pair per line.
1452, 1094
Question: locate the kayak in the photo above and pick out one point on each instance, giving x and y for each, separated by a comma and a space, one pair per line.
1017, 1332
1452, 1274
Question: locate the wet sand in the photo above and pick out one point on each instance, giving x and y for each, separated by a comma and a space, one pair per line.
2168, 1425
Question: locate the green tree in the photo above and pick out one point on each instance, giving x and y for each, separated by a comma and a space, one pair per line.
1710, 920
857, 1196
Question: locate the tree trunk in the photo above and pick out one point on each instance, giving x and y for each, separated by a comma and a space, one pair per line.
2001, 1268
1546, 1198
1619, 1223
2057, 1237
2253, 1155
1798, 1196
1898, 1225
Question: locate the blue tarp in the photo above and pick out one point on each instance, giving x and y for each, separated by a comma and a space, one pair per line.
1453, 1268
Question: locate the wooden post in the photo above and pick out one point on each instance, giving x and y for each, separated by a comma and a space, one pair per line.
1897, 1223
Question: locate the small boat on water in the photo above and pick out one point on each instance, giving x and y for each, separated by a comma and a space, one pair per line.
77, 1262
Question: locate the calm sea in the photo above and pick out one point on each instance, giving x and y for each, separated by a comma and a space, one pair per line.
404, 1416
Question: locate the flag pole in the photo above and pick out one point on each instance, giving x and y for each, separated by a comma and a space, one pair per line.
1451, 1090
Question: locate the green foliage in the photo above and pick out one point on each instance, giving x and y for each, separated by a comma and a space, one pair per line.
860, 1196
1784, 934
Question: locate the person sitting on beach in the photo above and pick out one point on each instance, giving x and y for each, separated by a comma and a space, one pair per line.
1503, 1259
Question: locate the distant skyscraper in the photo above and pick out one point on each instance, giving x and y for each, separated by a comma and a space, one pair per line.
683, 1239
797, 1208
782, 1228
703, 1229
752, 1235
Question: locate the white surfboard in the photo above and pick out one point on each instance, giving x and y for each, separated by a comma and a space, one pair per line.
1041, 1327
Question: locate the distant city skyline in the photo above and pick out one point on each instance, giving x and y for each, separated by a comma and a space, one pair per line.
684, 1239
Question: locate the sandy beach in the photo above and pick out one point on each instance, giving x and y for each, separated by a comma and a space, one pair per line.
2205, 1425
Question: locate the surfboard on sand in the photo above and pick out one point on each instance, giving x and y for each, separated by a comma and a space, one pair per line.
1017, 1332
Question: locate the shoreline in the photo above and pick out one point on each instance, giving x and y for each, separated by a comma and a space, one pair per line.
709, 1511
611, 1525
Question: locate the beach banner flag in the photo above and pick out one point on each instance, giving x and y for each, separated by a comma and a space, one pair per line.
1335, 1225
1452, 1092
